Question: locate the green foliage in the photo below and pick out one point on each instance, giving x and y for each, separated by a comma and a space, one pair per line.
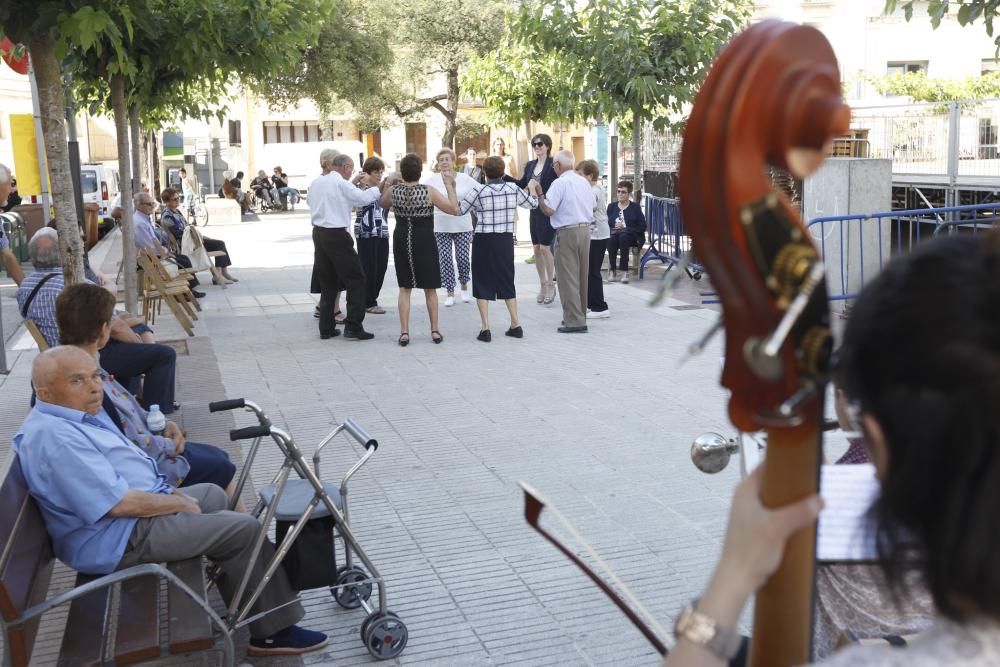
467, 128
921, 88
613, 59
969, 11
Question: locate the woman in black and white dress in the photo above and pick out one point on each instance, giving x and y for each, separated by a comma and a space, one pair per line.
414, 249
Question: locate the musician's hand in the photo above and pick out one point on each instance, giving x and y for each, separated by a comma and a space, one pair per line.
755, 541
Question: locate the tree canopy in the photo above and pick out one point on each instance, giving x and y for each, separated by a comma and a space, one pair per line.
607, 59
921, 88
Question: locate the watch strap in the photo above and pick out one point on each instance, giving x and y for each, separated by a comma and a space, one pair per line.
705, 631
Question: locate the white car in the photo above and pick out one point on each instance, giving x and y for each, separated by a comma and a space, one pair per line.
99, 184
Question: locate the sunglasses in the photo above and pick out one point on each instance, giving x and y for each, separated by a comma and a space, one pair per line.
537, 144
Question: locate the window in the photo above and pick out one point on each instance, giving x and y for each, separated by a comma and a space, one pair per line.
906, 67
235, 133
88, 182
292, 131
988, 145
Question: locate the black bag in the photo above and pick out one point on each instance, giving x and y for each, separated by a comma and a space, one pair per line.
311, 562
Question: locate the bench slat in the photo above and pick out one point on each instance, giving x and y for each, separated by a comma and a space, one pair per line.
138, 635
25, 560
86, 627
190, 629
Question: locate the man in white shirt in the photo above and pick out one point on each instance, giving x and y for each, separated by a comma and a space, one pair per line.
331, 198
569, 204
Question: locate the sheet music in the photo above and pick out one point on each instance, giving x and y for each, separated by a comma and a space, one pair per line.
849, 491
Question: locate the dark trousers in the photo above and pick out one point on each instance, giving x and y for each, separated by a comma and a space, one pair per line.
621, 242
184, 262
214, 245
129, 361
336, 264
374, 255
595, 284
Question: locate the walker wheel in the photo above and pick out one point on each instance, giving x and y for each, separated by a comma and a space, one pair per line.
384, 635
356, 588
697, 275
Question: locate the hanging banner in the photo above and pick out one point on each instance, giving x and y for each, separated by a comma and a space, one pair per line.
173, 144
22, 138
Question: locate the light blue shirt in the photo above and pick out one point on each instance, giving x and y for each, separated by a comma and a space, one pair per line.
78, 467
143, 231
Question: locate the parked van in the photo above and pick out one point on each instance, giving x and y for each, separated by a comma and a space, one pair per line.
99, 184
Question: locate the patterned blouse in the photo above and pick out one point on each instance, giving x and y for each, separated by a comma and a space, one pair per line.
368, 224
133, 424
972, 644
412, 201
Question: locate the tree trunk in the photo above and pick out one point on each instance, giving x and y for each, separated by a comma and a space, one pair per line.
125, 175
637, 156
451, 118
153, 161
52, 105
133, 124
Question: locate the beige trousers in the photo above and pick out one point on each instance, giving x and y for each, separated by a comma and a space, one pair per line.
572, 265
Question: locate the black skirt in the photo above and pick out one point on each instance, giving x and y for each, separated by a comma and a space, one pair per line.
415, 253
493, 266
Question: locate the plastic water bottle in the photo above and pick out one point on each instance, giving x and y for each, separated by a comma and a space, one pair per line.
155, 421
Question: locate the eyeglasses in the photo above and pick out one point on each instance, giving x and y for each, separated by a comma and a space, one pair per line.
145, 203
537, 144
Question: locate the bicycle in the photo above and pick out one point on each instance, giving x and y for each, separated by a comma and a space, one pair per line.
197, 211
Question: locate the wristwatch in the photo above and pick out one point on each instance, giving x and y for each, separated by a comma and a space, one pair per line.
703, 630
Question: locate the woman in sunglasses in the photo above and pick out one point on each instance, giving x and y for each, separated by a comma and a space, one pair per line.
540, 170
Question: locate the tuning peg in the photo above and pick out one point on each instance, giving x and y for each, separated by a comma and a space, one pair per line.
762, 355
787, 414
698, 346
668, 282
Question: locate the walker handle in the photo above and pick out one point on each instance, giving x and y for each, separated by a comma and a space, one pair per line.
249, 432
228, 404
360, 435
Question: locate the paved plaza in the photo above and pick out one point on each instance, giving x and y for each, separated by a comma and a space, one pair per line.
600, 423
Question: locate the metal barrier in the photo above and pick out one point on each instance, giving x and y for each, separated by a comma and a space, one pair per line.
862, 243
668, 241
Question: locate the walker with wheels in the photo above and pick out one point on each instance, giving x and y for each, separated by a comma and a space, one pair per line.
302, 508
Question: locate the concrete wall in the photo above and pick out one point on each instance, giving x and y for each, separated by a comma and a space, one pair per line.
850, 249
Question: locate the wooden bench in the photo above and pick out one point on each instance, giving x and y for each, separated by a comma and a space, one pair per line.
113, 619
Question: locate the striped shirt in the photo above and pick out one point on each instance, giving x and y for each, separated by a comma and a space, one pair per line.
496, 205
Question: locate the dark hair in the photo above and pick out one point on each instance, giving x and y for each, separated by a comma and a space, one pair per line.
81, 311
410, 167
167, 194
493, 166
626, 184
921, 355
239, 174
373, 164
589, 168
545, 139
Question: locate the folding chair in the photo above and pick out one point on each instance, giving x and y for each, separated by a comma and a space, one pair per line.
199, 246
178, 297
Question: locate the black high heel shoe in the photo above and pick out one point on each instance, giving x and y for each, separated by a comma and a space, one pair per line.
404, 339
436, 337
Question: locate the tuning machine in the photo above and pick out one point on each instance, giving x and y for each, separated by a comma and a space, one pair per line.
710, 452
763, 354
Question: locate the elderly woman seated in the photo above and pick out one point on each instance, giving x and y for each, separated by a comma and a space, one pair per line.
84, 312
173, 220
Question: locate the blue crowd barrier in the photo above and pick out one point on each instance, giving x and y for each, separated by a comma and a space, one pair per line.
863, 243
668, 240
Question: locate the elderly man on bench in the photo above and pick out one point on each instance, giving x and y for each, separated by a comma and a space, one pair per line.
107, 507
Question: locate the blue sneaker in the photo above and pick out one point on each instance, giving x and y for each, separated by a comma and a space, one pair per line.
293, 640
